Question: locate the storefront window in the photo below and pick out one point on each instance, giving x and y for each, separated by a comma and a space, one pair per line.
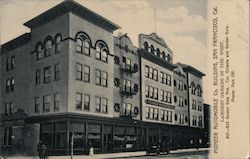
78, 129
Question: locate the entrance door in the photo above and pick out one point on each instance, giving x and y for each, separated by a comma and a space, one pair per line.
108, 143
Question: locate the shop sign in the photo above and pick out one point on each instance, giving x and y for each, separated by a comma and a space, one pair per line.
127, 138
159, 104
92, 136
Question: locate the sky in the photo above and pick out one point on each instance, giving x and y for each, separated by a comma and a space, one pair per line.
181, 23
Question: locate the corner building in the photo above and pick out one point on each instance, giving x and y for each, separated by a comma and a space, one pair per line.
71, 79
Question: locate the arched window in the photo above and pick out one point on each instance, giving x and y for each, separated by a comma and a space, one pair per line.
145, 46
48, 46
79, 45
101, 52
39, 52
198, 90
86, 47
152, 49
169, 58
158, 52
58, 46
193, 88
83, 46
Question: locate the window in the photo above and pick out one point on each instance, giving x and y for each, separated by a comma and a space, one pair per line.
98, 104
58, 46
198, 90
104, 105
101, 78
7, 136
200, 121
194, 120
79, 101
169, 80
47, 74
79, 71
46, 103
104, 78
10, 84
86, 73
79, 45
38, 76
179, 85
127, 107
147, 91
165, 78
48, 46
152, 49
165, 96
193, 88
10, 63
145, 46
86, 47
37, 104
39, 52
9, 108
166, 115
155, 75
98, 77
155, 93
56, 101
180, 101
57, 72
147, 71
199, 106
101, 52
147, 112
193, 104
86, 102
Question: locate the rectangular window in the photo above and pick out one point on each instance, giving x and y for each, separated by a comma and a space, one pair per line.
98, 77
169, 116
7, 136
151, 113
104, 105
150, 72
151, 92
79, 71
86, 73
147, 91
46, 103
37, 104
98, 104
10, 84
57, 72
79, 101
147, 112
146, 71
56, 101
38, 76
86, 102
9, 108
155, 93
169, 80
47, 74
155, 75
156, 113
104, 79
10, 63
161, 77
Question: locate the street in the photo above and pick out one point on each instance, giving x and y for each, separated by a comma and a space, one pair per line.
184, 155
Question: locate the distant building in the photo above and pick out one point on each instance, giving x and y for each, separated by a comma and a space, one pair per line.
71, 76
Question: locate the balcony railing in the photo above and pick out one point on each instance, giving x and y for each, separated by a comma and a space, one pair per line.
129, 68
128, 90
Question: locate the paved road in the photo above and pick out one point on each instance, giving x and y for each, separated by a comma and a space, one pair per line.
184, 155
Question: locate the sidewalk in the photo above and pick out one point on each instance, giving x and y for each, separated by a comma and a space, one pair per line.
113, 155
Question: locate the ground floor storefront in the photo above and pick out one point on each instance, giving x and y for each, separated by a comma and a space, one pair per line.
107, 135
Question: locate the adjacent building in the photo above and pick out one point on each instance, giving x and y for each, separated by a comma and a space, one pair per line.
70, 80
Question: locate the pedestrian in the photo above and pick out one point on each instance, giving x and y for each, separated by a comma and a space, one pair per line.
39, 145
91, 150
43, 151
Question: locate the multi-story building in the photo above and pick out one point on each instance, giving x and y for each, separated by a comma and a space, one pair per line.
70, 79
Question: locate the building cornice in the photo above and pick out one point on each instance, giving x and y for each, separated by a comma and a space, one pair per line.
75, 8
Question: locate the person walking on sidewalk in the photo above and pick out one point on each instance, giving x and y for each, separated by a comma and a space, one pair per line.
91, 150
39, 145
43, 151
